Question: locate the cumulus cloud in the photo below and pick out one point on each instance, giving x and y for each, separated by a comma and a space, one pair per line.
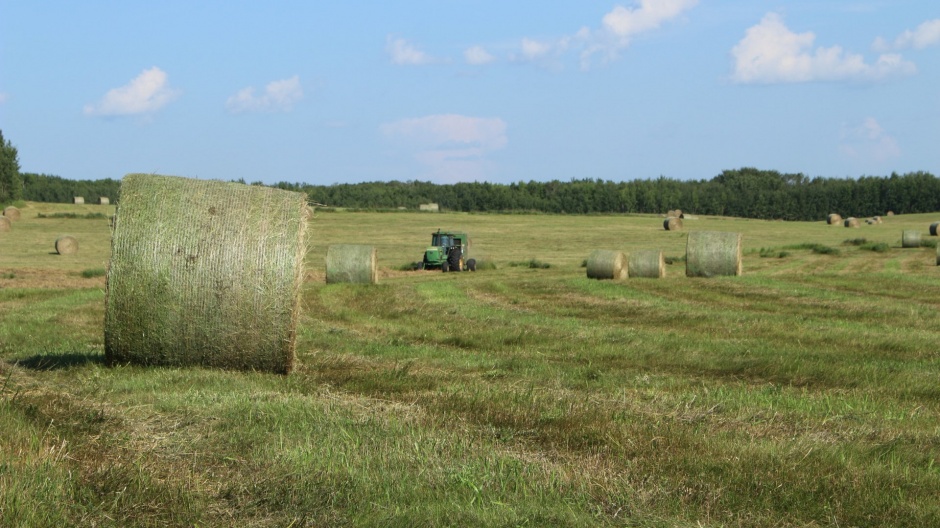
277, 96
146, 93
926, 34
868, 142
404, 53
452, 147
771, 53
477, 55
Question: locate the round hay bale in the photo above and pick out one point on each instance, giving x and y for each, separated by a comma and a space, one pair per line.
890, 213
672, 223
876, 219
713, 253
933, 228
869, 221
851, 222
78, 200
678, 213
834, 219
205, 273
671, 214
66, 245
104, 200
11, 213
910, 238
351, 263
605, 264
648, 263
5, 224
938, 254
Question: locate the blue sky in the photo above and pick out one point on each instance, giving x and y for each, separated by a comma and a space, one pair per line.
451, 90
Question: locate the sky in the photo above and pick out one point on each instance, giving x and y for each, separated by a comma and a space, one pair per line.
470, 90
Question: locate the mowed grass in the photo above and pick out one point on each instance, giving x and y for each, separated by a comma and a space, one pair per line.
804, 393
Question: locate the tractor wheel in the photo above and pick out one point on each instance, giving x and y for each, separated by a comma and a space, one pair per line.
445, 266
454, 260
472, 265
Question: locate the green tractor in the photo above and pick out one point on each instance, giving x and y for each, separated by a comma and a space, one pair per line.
449, 252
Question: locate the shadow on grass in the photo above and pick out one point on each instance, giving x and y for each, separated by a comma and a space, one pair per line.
59, 361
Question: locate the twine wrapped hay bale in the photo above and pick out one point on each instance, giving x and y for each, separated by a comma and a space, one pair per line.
606, 264
78, 200
11, 213
351, 263
910, 238
834, 219
851, 222
204, 273
5, 224
713, 253
933, 228
66, 245
104, 200
673, 223
646, 264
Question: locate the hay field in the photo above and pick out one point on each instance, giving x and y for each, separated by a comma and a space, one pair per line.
804, 393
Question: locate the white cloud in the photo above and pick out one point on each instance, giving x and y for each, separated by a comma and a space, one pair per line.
868, 142
477, 56
452, 147
146, 93
278, 96
926, 34
404, 53
771, 53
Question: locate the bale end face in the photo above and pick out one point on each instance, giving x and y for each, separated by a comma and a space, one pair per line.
5, 224
834, 219
851, 222
673, 223
66, 245
604, 264
11, 213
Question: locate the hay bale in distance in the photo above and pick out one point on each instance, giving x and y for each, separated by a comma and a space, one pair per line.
834, 219
66, 245
104, 200
851, 222
351, 263
12, 213
933, 228
78, 200
606, 264
938, 254
713, 253
648, 263
205, 273
910, 238
876, 219
672, 223
5, 224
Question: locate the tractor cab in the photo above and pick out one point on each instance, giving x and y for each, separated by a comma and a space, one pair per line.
449, 251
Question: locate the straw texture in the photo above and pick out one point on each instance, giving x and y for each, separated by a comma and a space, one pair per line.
205, 273
648, 263
351, 263
713, 253
66, 245
910, 238
605, 264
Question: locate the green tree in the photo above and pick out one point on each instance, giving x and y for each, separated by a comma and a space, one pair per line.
11, 184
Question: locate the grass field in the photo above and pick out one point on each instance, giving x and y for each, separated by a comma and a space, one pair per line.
804, 393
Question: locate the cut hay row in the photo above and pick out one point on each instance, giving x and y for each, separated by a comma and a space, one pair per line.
66, 245
851, 222
5, 224
11, 213
204, 273
673, 223
605, 264
351, 263
713, 253
834, 219
910, 238
933, 228
648, 263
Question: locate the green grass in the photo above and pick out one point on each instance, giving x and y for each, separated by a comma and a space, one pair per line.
803, 393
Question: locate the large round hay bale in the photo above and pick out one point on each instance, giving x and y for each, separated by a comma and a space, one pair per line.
712, 253
104, 200
933, 228
851, 222
12, 213
5, 224
648, 263
351, 263
78, 200
606, 264
66, 245
890, 213
834, 219
679, 213
672, 223
204, 273
910, 238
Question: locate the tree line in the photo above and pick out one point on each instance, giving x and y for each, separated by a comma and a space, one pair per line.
745, 192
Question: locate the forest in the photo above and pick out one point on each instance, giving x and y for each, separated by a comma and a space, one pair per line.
745, 192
